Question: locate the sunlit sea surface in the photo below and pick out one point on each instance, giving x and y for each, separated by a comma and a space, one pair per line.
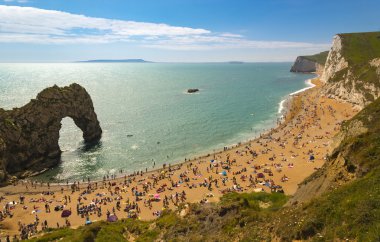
146, 114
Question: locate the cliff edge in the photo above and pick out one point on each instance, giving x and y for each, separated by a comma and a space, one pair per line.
351, 74
352, 69
310, 63
29, 135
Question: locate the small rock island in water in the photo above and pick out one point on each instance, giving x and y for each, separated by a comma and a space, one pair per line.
29, 135
192, 90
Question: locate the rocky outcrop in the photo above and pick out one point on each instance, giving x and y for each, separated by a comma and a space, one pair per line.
352, 69
29, 135
310, 63
304, 65
192, 90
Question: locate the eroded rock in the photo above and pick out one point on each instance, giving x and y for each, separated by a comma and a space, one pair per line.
192, 90
29, 135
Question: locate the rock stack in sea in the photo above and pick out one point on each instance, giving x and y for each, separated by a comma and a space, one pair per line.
29, 135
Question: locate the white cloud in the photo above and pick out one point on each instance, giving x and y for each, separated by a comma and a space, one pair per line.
18, 1
232, 35
34, 25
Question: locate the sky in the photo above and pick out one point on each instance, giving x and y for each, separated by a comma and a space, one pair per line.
177, 30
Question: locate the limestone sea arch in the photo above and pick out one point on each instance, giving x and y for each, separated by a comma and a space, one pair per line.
29, 135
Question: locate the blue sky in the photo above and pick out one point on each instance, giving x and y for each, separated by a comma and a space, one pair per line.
177, 30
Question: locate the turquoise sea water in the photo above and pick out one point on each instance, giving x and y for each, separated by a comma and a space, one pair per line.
149, 101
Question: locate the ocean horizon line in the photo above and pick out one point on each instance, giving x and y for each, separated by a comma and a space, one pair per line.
148, 62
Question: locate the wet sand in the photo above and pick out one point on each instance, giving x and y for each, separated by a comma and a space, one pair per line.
285, 156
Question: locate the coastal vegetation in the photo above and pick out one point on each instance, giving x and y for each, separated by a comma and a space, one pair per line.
319, 58
343, 197
310, 63
358, 49
350, 211
353, 69
235, 216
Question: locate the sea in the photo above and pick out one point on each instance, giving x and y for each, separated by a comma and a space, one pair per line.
146, 114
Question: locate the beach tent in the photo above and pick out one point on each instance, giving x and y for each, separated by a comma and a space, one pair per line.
157, 196
112, 218
224, 173
88, 222
260, 175
65, 213
312, 157
212, 160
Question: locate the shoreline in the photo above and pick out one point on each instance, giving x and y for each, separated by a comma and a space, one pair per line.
284, 105
283, 151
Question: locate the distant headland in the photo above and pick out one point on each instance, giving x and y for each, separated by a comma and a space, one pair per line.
117, 61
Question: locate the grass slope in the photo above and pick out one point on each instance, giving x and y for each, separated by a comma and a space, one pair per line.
320, 58
351, 211
235, 216
358, 49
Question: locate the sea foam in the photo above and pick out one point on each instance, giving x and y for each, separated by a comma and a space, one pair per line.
281, 105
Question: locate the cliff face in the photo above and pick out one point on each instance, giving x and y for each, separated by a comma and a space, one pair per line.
352, 69
310, 63
29, 135
304, 65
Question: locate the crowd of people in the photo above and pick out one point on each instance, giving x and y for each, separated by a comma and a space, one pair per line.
268, 163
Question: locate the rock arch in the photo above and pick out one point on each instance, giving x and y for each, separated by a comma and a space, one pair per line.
29, 135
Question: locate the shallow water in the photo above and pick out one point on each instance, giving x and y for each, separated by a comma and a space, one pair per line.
149, 101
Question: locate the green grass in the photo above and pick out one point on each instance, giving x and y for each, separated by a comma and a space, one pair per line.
236, 214
351, 211
320, 58
363, 151
358, 49
252, 200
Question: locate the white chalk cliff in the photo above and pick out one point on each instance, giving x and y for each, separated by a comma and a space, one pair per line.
350, 81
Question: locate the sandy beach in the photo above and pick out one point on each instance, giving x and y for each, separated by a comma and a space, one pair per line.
278, 160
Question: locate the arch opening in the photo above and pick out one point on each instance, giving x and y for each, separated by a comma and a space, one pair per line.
70, 136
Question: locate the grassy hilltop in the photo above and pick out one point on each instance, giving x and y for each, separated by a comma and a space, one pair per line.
319, 58
359, 50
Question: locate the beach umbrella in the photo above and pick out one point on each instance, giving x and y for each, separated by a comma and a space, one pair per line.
224, 173
156, 196
312, 157
260, 175
212, 160
112, 218
65, 213
88, 222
